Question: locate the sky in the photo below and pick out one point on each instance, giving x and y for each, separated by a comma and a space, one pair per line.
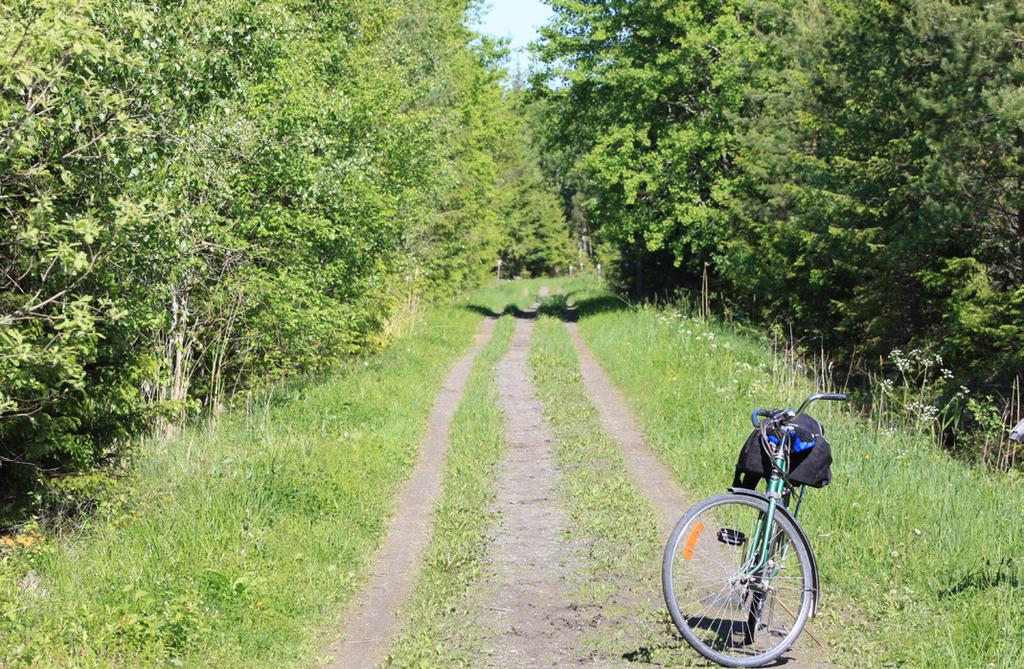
517, 19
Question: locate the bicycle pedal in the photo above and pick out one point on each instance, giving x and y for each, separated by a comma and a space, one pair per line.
731, 537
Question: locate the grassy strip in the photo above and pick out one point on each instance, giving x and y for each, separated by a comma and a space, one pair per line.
244, 539
508, 296
925, 549
437, 632
614, 525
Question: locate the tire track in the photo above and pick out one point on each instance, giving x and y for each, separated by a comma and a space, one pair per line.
652, 477
524, 607
372, 623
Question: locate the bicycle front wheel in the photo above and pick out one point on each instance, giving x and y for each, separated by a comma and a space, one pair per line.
740, 592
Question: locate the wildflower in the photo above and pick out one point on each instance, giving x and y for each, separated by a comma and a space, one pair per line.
898, 359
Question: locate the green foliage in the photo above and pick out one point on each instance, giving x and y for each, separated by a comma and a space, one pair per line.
206, 197
883, 194
851, 168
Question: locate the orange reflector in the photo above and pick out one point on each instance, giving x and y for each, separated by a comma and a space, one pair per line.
691, 542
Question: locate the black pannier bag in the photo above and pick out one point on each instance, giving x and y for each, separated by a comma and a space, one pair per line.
811, 466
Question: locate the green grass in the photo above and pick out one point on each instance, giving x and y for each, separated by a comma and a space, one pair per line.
910, 541
507, 296
438, 632
616, 528
244, 539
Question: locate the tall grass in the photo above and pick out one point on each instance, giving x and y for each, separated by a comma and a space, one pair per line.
244, 538
438, 632
920, 554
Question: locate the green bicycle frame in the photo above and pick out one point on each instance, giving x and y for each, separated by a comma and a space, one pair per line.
775, 488
761, 542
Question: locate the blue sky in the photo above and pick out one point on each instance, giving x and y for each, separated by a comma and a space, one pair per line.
517, 19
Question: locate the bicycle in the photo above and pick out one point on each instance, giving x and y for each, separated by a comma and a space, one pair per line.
739, 575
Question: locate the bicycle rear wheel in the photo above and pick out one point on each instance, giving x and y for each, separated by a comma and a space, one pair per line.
731, 604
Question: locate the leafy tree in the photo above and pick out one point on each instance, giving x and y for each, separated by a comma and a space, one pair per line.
644, 115
850, 167
202, 197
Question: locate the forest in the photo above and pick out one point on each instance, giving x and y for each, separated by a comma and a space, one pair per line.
203, 198
847, 171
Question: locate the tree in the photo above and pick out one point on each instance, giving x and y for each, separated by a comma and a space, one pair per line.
200, 198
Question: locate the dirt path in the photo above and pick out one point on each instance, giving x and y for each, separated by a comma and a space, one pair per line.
371, 623
524, 608
652, 477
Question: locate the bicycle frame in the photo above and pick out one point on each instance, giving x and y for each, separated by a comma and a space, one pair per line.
758, 554
760, 544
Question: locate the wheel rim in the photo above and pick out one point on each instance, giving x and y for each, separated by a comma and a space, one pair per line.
732, 606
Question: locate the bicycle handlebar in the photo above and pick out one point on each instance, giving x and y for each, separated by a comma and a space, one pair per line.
837, 397
757, 413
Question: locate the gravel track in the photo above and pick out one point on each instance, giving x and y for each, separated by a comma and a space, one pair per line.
524, 607
373, 619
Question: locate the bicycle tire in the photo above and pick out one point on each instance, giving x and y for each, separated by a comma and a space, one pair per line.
721, 647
